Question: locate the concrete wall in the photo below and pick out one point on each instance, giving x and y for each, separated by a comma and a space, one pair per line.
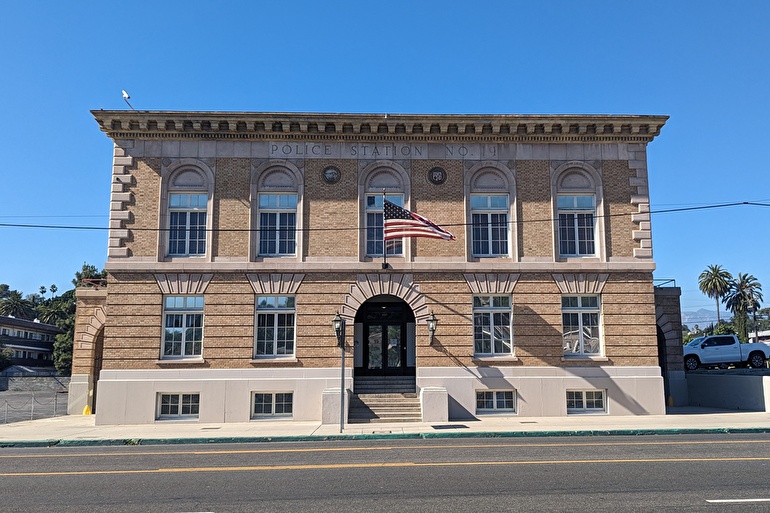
130, 397
731, 390
35, 383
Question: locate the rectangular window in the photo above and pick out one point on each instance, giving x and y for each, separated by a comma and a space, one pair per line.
576, 225
275, 326
586, 401
580, 325
492, 326
183, 332
489, 216
178, 406
273, 404
374, 226
495, 401
277, 224
187, 224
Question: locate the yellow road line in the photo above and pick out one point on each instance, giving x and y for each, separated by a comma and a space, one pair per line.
383, 448
343, 466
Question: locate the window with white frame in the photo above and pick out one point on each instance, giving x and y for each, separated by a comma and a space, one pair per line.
183, 327
580, 325
273, 404
576, 214
275, 327
492, 326
277, 224
495, 401
489, 215
187, 224
374, 226
586, 401
178, 406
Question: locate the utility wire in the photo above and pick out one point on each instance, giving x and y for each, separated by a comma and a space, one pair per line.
528, 221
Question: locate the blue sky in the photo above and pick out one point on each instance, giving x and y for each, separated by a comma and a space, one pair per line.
703, 63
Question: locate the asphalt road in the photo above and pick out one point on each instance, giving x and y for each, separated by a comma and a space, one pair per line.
646, 473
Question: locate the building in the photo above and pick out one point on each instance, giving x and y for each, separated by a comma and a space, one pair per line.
30, 342
235, 239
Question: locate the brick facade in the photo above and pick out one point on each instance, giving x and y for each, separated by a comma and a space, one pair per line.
526, 159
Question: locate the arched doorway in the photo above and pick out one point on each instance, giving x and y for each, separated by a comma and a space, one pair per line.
97, 366
662, 360
384, 338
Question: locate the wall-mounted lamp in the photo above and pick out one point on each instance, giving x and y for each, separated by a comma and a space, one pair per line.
432, 323
339, 328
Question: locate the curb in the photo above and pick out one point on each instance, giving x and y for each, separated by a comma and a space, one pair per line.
375, 436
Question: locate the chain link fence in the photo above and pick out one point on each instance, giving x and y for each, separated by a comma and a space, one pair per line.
21, 406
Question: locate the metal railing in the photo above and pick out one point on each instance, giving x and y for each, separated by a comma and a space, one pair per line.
18, 407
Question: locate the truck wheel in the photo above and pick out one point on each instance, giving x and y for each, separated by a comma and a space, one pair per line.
691, 363
757, 360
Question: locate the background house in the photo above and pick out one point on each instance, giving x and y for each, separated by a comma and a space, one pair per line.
31, 342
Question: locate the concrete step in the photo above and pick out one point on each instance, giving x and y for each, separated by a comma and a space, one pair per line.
366, 408
379, 384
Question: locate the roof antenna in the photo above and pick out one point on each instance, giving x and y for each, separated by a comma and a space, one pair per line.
126, 97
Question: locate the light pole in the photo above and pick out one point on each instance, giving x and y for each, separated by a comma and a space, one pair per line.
339, 328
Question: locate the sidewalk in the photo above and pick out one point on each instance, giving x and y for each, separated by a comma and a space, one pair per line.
80, 430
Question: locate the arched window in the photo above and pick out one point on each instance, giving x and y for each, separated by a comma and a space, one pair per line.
185, 210
577, 201
276, 198
389, 180
491, 193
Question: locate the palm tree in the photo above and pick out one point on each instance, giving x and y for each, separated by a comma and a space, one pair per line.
744, 295
715, 283
15, 305
54, 312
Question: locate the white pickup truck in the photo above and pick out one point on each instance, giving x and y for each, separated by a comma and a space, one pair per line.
722, 351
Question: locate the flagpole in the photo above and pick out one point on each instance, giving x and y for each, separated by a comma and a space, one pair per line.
384, 246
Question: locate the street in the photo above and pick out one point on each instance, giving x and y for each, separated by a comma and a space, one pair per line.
644, 473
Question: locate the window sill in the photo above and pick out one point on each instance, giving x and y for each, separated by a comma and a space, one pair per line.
178, 361
274, 359
585, 412
176, 419
507, 358
271, 418
584, 358
181, 258
508, 413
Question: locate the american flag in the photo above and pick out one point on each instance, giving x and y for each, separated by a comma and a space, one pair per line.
399, 222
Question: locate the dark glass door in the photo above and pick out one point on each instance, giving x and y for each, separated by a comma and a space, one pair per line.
385, 350
385, 341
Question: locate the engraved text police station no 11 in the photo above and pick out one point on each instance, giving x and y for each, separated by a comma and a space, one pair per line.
381, 150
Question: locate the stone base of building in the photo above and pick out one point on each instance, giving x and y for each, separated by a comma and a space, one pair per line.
228, 395
80, 394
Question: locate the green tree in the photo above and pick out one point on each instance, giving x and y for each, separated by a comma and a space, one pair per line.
744, 296
5, 357
724, 328
62, 346
53, 288
4, 290
35, 298
715, 283
88, 272
15, 305
56, 311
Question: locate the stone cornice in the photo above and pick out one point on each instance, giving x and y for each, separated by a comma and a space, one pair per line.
500, 128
